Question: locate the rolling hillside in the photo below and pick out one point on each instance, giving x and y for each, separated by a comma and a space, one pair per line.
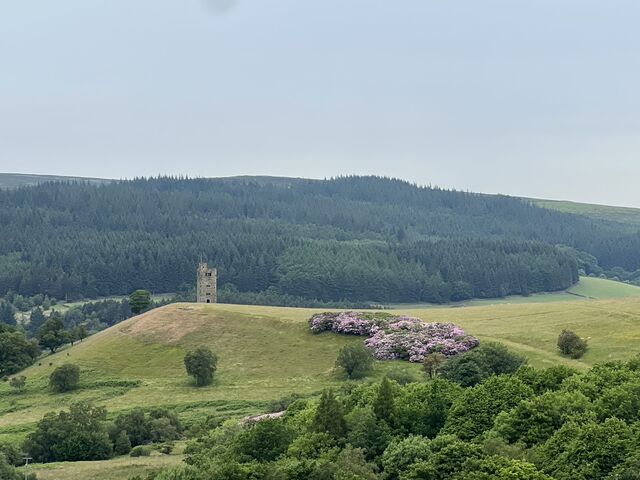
625, 215
15, 180
267, 353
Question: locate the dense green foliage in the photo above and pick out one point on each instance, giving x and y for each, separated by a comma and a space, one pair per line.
355, 239
82, 433
530, 425
139, 301
356, 360
65, 378
79, 434
16, 352
52, 334
7, 471
571, 344
201, 364
476, 365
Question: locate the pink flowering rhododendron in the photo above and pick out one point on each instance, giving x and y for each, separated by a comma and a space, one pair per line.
397, 337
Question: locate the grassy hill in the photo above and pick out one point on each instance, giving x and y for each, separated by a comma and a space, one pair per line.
587, 289
626, 215
267, 353
15, 180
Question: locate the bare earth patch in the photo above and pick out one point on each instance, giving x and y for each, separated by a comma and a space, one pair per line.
166, 325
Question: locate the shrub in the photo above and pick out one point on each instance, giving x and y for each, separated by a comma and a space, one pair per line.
397, 337
16, 352
264, 441
201, 364
8, 471
159, 425
477, 365
571, 344
18, 383
356, 360
184, 472
401, 376
122, 444
65, 378
140, 451
11, 454
165, 448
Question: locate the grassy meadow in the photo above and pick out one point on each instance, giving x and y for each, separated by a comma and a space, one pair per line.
266, 353
120, 468
626, 215
588, 289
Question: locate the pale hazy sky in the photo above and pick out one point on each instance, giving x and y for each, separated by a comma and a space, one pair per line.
525, 97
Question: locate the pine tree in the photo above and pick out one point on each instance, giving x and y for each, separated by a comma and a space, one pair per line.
7, 314
36, 320
329, 416
384, 403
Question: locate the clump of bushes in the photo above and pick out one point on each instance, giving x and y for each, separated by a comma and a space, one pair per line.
140, 451
65, 378
82, 433
397, 337
138, 427
571, 344
18, 383
480, 363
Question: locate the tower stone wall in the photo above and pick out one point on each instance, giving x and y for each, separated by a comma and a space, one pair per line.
207, 289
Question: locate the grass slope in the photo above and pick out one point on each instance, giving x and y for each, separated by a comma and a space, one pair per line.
15, 180
120, 468
587, 289
626, 215
267, 353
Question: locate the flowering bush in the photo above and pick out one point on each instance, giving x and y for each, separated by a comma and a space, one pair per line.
397, 337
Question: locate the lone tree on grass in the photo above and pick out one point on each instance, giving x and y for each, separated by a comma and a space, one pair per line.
65, 378
571, 344
52, 334
201, 364
356, 360
80, 332
139, 301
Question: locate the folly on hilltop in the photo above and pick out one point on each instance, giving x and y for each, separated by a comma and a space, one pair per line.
206, 289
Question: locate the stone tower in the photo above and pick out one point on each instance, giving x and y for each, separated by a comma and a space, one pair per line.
206, 290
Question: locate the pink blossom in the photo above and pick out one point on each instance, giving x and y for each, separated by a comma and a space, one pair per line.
397, 337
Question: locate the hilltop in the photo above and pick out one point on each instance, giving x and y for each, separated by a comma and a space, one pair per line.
15, 180
624, 215
267, 353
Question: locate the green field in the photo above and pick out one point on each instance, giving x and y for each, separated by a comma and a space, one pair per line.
587, 288
626, 215
268, 352
120, 468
